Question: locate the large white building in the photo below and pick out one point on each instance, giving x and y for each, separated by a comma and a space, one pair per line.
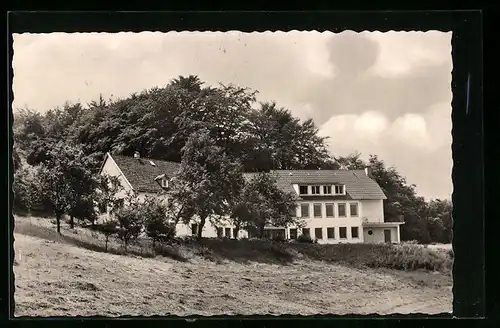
336, 205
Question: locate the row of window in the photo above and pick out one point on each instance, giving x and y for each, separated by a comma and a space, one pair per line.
321, 190
330, 233
329, 210
318, 232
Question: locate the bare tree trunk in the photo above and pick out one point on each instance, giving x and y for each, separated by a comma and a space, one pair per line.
72, 222
200, 226
106, 244
58, 222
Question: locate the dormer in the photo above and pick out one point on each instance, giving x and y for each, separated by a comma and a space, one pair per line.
163, 180
320, 189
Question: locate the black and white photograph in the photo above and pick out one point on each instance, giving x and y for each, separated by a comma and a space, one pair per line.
232, 173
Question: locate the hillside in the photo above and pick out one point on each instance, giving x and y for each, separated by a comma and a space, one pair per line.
54, 278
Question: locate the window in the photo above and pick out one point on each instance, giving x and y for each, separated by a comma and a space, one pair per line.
318, 233
293, 233
343, 232
342, 210
370, 232
194, 229
327, 190
306, 232
235, 233
164, 183
329, 210
354, 232
227, 232
303, 190
317, 210
354, 209
304, 209
330, 233
339, 190
219, 232
315, 190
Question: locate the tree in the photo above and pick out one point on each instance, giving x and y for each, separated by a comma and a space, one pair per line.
159, 121
177, 212
82, 193
27, 127
108, 228
207, 179
61, 177
402, 200
352, 161
264, 203
129, 218
440, 215
54, 184
24, 190
277, 140
154, 212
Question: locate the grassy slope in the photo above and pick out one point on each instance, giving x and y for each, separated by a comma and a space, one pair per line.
55, 278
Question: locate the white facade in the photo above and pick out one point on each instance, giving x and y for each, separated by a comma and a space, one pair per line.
330, 220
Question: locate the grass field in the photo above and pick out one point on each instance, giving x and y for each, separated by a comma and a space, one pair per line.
71, 276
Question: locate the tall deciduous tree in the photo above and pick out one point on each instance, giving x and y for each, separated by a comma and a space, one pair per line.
277, 140
263, 203
206, 180
402, 199
66, 183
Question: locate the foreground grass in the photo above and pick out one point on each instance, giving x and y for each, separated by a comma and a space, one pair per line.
56, 276
53, 279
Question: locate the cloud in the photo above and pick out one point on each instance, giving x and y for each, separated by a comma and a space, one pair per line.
384, 93
418, 145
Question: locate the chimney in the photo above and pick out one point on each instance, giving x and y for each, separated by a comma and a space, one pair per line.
368, 171
137, 155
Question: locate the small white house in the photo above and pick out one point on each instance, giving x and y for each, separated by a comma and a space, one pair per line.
336, 205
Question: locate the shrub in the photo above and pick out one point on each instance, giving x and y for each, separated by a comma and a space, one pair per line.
305, 239
407, 257
154, 213
129, 224
278, 238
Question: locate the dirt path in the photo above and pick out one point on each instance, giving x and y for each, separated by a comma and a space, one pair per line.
54, 279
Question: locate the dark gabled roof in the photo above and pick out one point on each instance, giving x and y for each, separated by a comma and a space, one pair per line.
141, 174
358, 185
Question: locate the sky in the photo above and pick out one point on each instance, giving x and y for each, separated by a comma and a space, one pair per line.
383, 93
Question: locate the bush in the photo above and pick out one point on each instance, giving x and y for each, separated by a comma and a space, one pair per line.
154, 213
129, 224
278, 238
408, 257
305, 239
